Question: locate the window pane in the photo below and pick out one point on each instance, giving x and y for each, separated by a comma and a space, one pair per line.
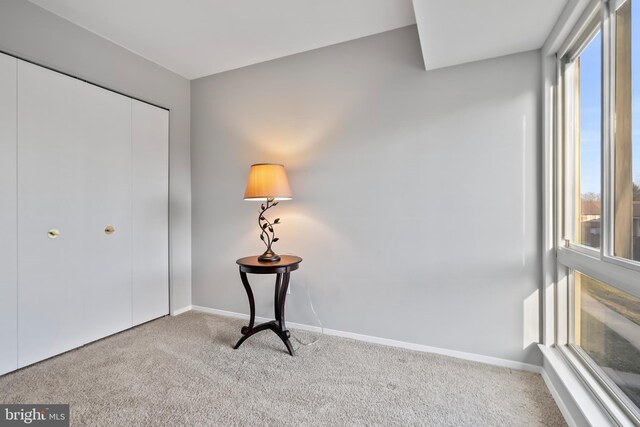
627, 133
607, 328
587, 143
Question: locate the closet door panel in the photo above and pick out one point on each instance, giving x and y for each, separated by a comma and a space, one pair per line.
8, 217
74, 176
104, 126
150, 142
50, 303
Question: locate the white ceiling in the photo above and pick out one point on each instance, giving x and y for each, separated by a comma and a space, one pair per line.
196, 38
459, 31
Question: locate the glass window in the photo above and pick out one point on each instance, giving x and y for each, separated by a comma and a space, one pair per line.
607, 328
587, 143
627, 132
599, 321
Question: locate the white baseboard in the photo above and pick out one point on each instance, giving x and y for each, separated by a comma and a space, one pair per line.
474, 357
181, 310
388, 342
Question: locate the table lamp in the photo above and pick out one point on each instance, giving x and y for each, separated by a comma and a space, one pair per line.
268, 183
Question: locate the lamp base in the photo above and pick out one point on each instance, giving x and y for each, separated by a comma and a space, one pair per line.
269, 256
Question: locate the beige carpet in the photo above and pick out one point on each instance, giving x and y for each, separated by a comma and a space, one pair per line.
182, 371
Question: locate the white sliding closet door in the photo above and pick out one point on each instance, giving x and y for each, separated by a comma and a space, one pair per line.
74, 177
150, 137
8, 218
105, 183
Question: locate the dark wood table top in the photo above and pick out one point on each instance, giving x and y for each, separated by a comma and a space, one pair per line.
286, 263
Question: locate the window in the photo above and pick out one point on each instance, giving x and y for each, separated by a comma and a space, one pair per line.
598, 180
606, 328
587, 142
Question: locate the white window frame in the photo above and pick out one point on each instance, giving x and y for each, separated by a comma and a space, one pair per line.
599, 263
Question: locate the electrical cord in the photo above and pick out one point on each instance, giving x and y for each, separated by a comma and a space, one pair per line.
317, 319
315, 314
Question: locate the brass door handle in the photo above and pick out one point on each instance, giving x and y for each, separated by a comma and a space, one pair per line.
53, 233
109, 230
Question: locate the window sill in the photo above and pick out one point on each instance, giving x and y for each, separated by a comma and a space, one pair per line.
581, 401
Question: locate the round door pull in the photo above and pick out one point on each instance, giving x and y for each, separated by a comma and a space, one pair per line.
109, 230
53, 233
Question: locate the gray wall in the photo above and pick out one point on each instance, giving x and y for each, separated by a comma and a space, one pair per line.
34, 34
416, 194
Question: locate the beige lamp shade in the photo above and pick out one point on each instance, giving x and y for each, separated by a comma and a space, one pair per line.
267, 181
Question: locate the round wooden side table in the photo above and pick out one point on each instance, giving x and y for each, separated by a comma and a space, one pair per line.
282, 269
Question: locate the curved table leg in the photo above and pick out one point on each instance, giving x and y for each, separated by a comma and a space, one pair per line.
278, 326
276, 297
268, 325
282, 332
280, 301
284, 336
252, 305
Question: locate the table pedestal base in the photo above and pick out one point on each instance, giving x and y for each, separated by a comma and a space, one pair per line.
273, 325
278, 326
